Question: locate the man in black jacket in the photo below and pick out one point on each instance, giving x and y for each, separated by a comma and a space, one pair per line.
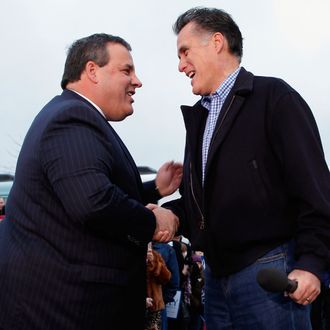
256, 187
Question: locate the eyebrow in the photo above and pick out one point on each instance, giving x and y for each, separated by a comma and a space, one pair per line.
181, 50
128, 66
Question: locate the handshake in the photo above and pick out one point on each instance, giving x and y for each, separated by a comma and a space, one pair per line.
167, 223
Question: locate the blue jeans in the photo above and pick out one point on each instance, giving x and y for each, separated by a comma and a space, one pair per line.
164, 319
238, 302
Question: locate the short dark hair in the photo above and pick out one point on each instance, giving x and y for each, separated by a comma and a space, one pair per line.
213, 20
92, 48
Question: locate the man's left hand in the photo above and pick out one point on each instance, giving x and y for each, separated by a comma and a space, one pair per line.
309, 287
168, 178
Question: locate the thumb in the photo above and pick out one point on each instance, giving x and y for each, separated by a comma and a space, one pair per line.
151, 206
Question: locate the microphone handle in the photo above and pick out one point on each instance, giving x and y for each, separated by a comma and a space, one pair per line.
292, 286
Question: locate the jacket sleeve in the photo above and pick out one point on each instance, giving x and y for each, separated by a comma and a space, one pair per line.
150, 193
297, 145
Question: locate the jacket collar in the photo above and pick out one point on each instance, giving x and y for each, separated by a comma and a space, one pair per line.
243, 86
195, 117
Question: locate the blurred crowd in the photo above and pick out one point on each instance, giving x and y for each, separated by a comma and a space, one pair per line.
175, 296
175, 289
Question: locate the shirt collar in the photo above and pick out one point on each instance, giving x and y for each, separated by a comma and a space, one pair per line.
224, 88
91, 102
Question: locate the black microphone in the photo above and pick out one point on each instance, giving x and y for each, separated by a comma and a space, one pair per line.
274, 280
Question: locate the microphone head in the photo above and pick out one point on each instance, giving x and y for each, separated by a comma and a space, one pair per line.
272, 280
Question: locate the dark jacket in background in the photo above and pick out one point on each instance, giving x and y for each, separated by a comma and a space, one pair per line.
169, 256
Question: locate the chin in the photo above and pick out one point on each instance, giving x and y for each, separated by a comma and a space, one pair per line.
201, 91
196, 91
130, 112
127, 113
122, 116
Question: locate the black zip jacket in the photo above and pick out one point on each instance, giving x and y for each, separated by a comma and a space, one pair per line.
266, 179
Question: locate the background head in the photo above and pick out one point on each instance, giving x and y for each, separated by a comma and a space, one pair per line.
212, 20
2, 203
92, 48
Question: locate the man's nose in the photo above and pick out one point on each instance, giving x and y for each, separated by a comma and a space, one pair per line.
137, 82
182, 65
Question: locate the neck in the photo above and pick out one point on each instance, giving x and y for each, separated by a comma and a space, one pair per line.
225, 68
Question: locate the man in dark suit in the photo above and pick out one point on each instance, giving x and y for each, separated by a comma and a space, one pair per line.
73, 244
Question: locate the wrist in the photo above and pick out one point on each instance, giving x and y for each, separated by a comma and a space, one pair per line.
158, 191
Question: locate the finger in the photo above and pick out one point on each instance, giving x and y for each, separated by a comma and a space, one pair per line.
312, 297
303, 300
165, 237
156, 236
168, 164
160, 236
151, 206
306, 301
177, 165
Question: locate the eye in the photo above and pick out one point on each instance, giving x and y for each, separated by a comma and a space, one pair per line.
186, 52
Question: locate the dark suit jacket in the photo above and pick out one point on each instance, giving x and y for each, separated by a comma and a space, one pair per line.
73, 244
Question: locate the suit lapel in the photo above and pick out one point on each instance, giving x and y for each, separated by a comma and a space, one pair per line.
129, 160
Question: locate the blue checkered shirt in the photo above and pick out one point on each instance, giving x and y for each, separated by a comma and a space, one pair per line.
213, 103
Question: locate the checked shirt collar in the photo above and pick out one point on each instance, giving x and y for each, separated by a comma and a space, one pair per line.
213, 103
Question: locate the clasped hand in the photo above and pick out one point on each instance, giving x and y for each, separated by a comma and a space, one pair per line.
166, 223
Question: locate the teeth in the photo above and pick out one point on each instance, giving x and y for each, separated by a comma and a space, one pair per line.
191, 74
130, 93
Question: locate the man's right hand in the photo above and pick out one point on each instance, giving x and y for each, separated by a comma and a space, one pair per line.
167, 223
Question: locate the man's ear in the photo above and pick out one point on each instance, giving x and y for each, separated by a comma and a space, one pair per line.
218, 41
91, 71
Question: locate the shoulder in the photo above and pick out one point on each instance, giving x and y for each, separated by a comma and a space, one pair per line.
71, 109
272, 84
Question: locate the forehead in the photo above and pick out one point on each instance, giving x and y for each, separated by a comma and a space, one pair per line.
188, 35
119, 54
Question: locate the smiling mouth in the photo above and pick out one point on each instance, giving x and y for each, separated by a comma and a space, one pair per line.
191, 74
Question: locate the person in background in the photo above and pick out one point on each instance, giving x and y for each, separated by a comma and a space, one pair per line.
183, 250
196, 308
158, 275
256, 186
172, 286
74, 241
2, 206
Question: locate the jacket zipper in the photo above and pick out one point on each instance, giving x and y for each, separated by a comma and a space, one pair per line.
202, 222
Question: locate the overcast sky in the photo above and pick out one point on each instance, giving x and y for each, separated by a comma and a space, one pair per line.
289, 39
